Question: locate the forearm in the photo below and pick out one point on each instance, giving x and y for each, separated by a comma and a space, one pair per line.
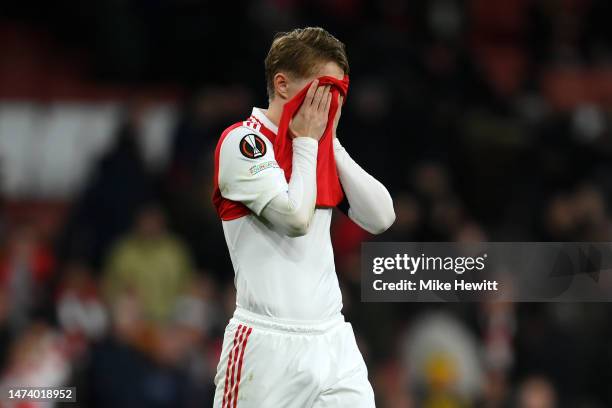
371, 206
291, 211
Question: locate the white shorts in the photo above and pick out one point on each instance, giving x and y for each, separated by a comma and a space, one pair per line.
268, 363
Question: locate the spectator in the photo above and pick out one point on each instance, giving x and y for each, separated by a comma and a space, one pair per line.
37, 358
536, 392
444, 362
26, 265
80, 310
133, 366
120, 184
151, 263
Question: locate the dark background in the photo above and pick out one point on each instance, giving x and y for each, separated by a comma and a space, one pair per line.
487, 120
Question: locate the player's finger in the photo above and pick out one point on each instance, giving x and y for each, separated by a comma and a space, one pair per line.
316, 100
311, 92
323, 100
328, 103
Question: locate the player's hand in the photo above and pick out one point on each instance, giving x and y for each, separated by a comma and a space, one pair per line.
311, 119
338, 112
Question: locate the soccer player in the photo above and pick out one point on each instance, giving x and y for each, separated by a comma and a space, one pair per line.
287, 344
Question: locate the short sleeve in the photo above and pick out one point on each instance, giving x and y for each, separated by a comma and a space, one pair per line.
248, 171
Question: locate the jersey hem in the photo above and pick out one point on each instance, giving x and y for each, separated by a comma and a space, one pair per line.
263, 322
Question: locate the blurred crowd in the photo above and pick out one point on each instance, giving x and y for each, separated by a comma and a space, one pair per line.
487, 120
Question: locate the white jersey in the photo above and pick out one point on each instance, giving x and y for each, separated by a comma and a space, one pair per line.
284, 277
288, 300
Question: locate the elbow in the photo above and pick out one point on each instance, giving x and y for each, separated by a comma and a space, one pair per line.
298, 226
383, 223
385, 217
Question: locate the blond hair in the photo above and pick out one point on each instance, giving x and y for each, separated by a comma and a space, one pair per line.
300, 51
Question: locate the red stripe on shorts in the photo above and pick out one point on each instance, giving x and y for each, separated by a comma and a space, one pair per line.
241, 339
248, 333
230, 364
